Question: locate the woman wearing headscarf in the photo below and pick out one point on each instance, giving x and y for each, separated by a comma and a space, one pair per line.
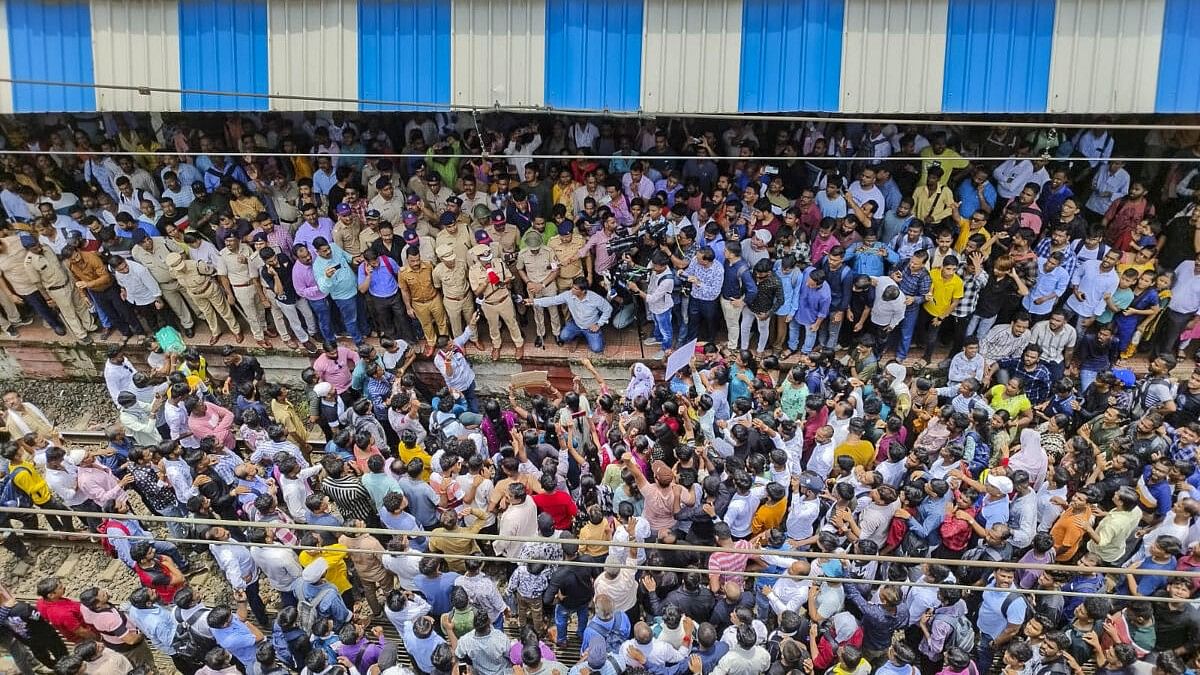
897, 373
827, 639
641, 382
1031, 458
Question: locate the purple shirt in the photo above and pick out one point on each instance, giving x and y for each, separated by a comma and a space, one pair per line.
306, 282
306, 233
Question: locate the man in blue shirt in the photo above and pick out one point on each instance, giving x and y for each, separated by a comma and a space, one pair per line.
870, 256
1001, 615
1052, 281
737, 289
976, 194
238, 637
841, 282
312, 587
334, 271
378, 282
587, 312
812, 308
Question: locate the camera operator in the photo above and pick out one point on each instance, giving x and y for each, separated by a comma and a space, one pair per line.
659, 298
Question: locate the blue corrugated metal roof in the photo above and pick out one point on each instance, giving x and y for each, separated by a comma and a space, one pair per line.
223, 47
404, 52
791, 55
1178, 82
998, 55
51, 41
594, 53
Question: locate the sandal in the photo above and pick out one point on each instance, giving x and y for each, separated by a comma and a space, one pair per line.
787, 355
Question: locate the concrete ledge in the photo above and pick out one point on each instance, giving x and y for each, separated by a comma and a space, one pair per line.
39, 354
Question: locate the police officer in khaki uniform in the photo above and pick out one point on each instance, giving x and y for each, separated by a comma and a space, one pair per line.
151, 252
456, 232
489, 280
370, 231
347, 230
450, 277
565, 249
198, 278
241, 284
535, 265
421, 298
51, 275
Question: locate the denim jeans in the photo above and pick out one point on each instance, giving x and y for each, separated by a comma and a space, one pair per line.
320, 308
471, 398
980, 325
560, 620
348, 308
907, 327
662, 329
1086, 377
38, 304
595, 339
810, 337
831, 331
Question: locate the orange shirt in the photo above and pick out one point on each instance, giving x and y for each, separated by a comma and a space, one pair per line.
1068, 533
91, 270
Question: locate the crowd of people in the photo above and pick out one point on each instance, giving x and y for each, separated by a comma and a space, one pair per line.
1030, 283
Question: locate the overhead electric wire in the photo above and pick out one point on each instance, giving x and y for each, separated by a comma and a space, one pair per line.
427, 106
693, 548
162, 152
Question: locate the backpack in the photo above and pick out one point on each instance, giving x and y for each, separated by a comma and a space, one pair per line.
10, 494
308, 609
1013, 597
1143, 388
187, 643
962, 634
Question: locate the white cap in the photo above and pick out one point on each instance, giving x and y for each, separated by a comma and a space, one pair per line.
1002, 483
315, 570
763, 235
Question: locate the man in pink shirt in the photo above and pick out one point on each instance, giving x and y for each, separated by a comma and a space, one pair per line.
209, 419
97, 482
336, 366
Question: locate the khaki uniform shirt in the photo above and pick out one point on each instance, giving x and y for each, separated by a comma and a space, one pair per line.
418, 283
536, 265
237, 265
566, 254
12, 266
491, 294
155, 260
197, 277
462, 242
346, 235
46, 269
453, 282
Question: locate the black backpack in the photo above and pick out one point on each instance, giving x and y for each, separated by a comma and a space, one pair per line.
187, 643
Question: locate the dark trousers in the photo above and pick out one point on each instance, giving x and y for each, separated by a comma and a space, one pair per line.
257, 607
1168, 334
392, 317
152, 317
38, 303
119, 312
702, 320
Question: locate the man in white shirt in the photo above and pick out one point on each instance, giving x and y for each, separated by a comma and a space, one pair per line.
864, 190
1011, 176
240, 571
967, 363
1092, 285
279, 565
1110, 183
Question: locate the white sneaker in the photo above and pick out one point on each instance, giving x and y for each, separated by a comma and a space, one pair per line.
650, 341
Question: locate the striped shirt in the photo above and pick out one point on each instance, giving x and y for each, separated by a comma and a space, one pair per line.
1055, 346
730, 561
352, 499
